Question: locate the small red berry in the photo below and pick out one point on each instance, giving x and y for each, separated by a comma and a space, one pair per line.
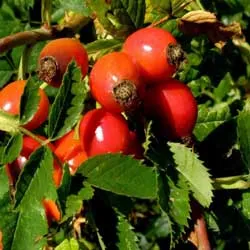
115, 82
68, 149
156, 51
103, 132
174, 106
10, 98
55, 57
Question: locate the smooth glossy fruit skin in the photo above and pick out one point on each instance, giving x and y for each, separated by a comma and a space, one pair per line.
103, 132
10, 98
107, 73
64, 50
69, 150
149, 48
52, 211
29, 146
174, 106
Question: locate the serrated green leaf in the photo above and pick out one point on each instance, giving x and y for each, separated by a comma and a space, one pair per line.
209, 119
127, 239
8, 221
70, 244
30, 228
101, 47
243, 132
37, 172
29, 101
224, 87
4, 185
174, 198
10, 147
129, 12
74, 202
64, 188
120, 174
68, 104
197, 176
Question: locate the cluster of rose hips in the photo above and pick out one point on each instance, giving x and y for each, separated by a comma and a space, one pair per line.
136, 80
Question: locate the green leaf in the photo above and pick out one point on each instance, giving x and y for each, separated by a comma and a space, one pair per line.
70, 244
209, 119
64, 188
68, 104
9, 123
197, 176
101, 47
5, 76
4, 184
126, 236
29, 101
246, 204
129, 11
30, 228
174, 198
8, 221
120, 174
224, 87
243, 132
74, 202
77, 6
36, 182
10, 147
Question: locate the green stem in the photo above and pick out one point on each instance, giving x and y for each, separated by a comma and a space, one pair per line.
24, 62
30, 134
46, 12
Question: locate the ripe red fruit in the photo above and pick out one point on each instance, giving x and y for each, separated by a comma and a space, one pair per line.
174, 106
29, 146
103, 132
156, 51
10, 98
55, 57
115, 82
135, 148
68, 149
52, 211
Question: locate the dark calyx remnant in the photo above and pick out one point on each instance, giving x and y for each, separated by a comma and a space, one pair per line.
48, 69
175, 55
126, 95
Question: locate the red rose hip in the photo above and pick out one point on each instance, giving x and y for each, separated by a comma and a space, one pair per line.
55, 57
156, 51
103, 132
174, 106
10, 98
115, 83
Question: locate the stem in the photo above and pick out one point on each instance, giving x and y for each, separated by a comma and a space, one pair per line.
42, 34
24, 62
30, 134
162, 20
44, 85
200, 229
46, 12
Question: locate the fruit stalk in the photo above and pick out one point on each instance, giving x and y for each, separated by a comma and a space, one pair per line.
42, 34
